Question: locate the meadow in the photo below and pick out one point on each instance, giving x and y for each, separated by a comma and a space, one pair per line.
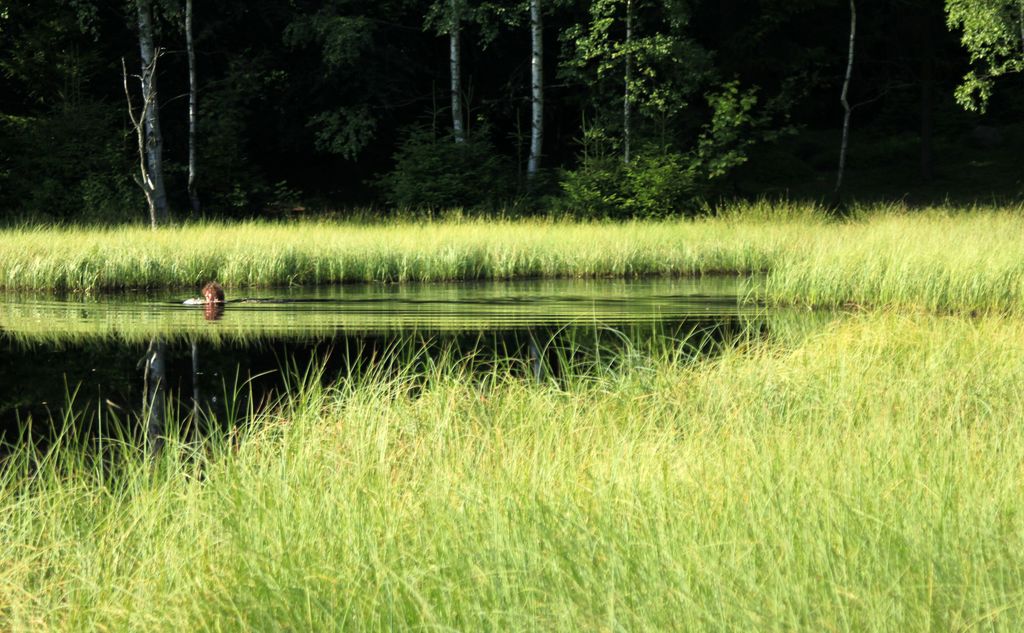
939, 259
863, 477
853, 471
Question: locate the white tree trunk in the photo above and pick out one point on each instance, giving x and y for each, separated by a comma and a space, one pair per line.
537, 85
154, 388
456, 69
626, 110
844, 100
154, 177
193, 196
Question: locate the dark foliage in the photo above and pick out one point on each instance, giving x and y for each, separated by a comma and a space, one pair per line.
344, 104
438, 173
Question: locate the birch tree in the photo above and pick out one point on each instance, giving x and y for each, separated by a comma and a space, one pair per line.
536, 89
608, 48
844, 98
193, 195
455, 63
993, 34
627, 78
447, 17
152, 175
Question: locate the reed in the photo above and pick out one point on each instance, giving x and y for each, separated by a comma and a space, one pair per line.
268, 254
940, 259
937, 260
862, 477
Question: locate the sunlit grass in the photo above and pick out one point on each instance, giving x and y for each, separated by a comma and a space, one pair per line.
264, 254
864, 477
938, 260
935, 259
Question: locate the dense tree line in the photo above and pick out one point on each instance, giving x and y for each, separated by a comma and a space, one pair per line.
601, 107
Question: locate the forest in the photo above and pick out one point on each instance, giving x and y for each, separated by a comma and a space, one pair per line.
602, 109
511, 315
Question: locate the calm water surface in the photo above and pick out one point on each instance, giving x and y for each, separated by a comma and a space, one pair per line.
95, 351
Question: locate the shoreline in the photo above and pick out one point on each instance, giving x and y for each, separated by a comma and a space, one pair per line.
940, 260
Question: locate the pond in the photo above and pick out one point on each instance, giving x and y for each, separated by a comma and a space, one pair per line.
100, 353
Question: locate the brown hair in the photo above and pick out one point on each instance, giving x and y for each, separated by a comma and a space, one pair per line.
213, 292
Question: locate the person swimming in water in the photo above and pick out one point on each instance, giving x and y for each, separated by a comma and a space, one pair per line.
212, 301
213, 297
212, 292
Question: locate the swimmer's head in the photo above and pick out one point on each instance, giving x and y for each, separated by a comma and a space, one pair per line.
213, 293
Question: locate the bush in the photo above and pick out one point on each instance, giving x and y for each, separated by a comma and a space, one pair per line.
662, 180
439, 173
654, 184
69, 164
596, 188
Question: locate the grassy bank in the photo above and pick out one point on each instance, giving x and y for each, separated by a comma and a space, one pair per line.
264, 254
935, 259
864, 478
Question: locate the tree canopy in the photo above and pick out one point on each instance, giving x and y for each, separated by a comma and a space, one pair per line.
993, 34
650, 108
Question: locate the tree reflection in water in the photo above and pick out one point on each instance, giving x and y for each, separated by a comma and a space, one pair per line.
154, 393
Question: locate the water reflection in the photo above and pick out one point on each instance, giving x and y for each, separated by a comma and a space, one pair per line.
204, 370
213, 311
205, 384
301, 313
154, 390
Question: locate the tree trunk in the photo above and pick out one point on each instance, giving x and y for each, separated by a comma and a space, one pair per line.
537, 85
193, 196
456, 69
844, 100
626, 129
154, 402
151, 117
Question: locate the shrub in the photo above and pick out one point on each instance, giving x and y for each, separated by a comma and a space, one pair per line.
436, 173
662, 180
654, 184
69, 164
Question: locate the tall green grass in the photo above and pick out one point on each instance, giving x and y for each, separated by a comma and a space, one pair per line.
263, 254
936, 259
862, 478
